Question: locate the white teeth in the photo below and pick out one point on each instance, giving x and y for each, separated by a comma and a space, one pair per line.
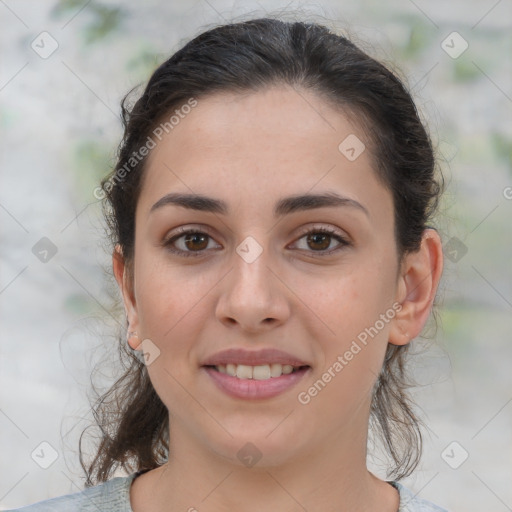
276, 370
259, 372
287, 368
243, 371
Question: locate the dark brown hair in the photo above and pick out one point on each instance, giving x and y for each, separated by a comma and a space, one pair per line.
243, 57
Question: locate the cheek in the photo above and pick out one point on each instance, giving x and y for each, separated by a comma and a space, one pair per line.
163, 298
356, 313
169, 305
172, 302
352, 354
350, 301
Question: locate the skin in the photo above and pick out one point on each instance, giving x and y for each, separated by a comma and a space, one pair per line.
250, 150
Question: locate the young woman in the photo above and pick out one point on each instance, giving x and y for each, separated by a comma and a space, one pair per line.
269, 215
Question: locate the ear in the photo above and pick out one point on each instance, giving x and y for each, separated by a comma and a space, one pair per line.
125, 282
417, 285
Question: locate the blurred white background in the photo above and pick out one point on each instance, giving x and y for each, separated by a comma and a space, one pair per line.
59, 101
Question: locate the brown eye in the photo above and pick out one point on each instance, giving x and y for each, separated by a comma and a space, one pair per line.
196, 241
318, 240
188, 242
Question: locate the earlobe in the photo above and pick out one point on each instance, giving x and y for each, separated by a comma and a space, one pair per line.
417, 287
124, 281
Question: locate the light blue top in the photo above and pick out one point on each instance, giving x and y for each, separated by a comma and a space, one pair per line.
114, 496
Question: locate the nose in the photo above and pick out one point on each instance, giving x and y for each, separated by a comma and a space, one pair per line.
253, 297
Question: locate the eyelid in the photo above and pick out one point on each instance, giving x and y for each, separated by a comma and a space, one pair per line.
322, 228
189, 228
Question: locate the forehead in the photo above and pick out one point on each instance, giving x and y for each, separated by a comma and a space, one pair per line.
253, 146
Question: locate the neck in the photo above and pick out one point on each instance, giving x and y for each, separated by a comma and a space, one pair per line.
331, 475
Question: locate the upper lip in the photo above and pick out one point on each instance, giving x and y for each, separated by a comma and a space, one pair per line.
253, 357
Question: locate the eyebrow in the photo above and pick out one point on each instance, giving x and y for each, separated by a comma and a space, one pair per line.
284, 206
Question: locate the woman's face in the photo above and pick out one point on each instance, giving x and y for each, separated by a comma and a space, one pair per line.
253, 280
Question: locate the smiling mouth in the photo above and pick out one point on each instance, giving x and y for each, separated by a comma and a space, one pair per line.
258, 372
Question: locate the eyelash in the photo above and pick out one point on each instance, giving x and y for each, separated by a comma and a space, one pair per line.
185, 231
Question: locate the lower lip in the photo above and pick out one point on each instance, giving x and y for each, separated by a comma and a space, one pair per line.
252, 388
